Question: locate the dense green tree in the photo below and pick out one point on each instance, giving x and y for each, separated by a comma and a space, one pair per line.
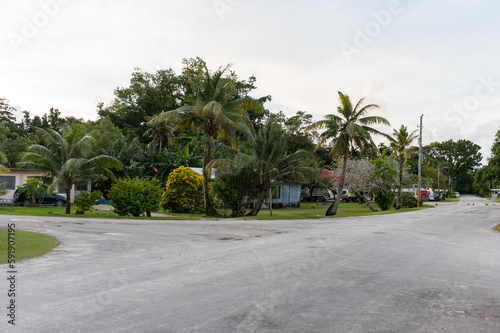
299, 137
458, 158
3, 160
347, 131
218, 111
67, 159
148, 95
12, 144
494, 160
400, 140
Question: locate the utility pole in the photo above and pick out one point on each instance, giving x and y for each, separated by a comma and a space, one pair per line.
420, 163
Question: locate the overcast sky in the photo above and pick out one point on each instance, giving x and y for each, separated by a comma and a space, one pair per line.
437, 58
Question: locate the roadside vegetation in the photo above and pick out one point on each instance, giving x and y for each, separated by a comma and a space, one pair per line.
244, 153
28, 244
306, 210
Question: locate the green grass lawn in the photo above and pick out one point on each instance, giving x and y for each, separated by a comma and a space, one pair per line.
306, 210
497, 227
27, 244
312, 210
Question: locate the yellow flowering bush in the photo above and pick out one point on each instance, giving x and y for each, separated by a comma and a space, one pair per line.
183, 191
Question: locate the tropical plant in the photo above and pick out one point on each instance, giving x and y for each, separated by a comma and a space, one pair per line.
408, 200
3, 160
347, 131
136, 196
267, 163
67, 159
34, 189
160, 130
218, 110
85, 200
183, 191
400, 140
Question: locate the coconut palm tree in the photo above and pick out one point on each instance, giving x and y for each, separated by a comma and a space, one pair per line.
159, 131
347, 130
400, 140
218, 111
267, 162
67, 159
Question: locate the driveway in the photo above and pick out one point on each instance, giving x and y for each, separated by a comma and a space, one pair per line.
436, 270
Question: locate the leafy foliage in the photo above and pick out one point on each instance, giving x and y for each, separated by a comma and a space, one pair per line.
408, 200
384, 199
85, 200
34, 189
136, 196
183, 191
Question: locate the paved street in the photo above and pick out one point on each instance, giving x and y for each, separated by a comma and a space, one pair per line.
436, 270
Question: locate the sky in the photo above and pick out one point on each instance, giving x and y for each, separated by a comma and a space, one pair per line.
436, 58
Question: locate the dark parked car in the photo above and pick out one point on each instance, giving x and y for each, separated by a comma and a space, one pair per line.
53, 200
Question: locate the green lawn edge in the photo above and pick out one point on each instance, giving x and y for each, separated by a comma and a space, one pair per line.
305, 211
27, 244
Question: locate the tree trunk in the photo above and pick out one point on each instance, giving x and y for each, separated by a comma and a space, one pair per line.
271, 202
370, 207
243, 207
207, 157
332, 210
256, 208
68, 200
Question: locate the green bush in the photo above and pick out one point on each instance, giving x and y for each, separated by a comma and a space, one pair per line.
136, 196
384, 199
34, 189
85, 200
408, 200
183, 192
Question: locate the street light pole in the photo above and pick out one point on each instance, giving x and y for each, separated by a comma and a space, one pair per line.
420, 163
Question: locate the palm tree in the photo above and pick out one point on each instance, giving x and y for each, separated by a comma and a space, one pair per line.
159, 131
400, 140
218, 111
347, 131
267, 162
67, 159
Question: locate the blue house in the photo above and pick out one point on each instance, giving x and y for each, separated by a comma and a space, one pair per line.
287, 195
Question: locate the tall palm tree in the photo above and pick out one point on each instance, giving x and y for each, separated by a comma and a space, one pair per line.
218, 111
67, 159
348, 130
400, 140
267, 162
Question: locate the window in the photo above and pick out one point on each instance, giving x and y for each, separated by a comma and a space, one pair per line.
10, 182
82, 187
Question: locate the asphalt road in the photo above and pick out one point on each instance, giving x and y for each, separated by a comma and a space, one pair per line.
436, 270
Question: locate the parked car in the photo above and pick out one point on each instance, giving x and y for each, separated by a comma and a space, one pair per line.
50, 200
457, 195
